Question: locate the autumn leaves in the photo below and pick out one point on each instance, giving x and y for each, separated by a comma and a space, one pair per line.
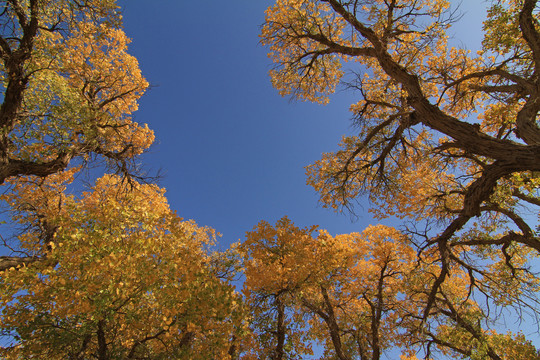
346, 292
439, 132
131, 280
446, 140
111, 272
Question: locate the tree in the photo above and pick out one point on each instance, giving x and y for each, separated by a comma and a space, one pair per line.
359, 295
69, 89
274, 267
446, 138
110, 273
130, 280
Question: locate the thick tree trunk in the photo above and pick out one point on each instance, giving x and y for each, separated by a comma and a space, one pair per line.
102, 342
280, 330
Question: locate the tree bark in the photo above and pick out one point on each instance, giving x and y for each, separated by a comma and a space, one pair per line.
280, 329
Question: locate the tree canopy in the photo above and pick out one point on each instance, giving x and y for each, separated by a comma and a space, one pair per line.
361, 295
131, 279
447, 141
444, 135
69, 87
110, 273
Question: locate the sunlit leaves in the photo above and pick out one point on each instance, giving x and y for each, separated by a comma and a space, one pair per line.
70, 88
127, 269
305, 68
350, 288
445, 138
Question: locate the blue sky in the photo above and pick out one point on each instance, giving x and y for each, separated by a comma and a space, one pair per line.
232, 151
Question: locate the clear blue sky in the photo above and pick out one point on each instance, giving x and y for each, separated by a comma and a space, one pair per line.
233, 151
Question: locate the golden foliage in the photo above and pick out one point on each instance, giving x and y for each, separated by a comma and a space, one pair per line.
128, 270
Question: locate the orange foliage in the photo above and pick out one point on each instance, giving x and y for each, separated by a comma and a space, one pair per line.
131, 278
